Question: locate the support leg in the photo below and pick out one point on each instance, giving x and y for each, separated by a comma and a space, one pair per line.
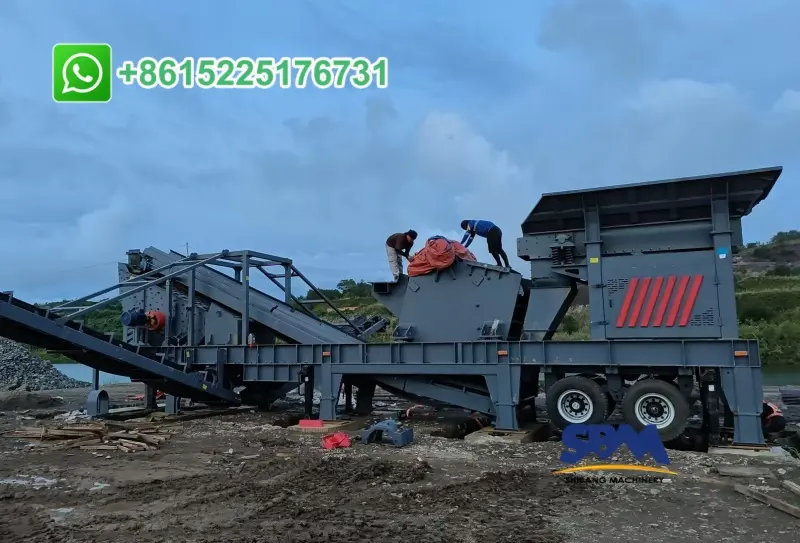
348, 397
364, 394
95, 379
504, 391
744, 391
173, 405
97, 404
709, 398
329, 384
308, 391
149, 397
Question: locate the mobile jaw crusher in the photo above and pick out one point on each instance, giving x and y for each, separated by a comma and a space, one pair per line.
656, 259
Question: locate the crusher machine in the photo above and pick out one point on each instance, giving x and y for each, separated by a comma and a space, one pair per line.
655, 257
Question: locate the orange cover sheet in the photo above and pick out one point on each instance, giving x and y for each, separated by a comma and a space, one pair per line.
438, 254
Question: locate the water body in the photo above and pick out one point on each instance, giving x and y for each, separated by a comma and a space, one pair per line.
773, 375
84, 373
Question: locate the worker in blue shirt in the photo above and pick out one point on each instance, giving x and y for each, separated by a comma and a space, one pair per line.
493, 235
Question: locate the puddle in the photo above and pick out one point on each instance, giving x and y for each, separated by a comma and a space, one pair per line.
28, 480
59, 515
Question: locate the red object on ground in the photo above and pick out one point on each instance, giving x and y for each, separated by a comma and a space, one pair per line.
159, 396
336, 440
438, 254
311, 423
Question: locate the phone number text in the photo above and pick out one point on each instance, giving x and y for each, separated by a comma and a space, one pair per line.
255, 73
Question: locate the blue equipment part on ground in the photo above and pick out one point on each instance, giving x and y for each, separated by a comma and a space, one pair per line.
387, 430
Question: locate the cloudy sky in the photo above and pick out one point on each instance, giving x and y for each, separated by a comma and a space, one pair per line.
489, 105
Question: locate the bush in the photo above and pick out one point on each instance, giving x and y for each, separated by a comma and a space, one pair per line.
758, 305
575, 325
779, 342
762, 253
766, 282
781, 271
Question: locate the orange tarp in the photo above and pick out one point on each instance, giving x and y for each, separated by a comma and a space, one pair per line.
438, 254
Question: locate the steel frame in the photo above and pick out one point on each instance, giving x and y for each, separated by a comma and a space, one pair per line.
240, 261
500, 363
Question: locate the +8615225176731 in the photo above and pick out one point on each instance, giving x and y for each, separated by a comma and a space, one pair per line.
256, 73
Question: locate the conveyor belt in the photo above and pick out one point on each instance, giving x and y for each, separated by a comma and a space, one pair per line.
25, 323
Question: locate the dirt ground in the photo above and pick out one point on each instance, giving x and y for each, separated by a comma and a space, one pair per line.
237, 478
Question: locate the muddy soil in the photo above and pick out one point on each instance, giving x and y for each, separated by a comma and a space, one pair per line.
239, 479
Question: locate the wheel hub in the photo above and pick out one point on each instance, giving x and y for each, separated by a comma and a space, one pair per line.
655, 409
575, 406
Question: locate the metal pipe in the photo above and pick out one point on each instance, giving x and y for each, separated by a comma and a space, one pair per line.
132, 281
327, 300
170, 313
287, 281
140, 288
271, 277
245, 299
190, 332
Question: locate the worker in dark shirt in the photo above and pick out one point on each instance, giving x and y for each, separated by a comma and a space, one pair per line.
772, 420
493, 235
399, 245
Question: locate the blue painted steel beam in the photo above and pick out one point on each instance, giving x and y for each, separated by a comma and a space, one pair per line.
457, 358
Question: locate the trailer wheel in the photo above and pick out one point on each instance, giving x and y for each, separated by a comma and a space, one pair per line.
576, 400
659, 403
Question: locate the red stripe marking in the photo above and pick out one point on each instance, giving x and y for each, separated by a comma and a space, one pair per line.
676, 304
651, 301
637, 306
694, 290
662, 305
626, 304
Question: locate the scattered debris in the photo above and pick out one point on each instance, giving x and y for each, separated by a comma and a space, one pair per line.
23, 401
95, 436
140, 397
28, 480
768, 500
460, 430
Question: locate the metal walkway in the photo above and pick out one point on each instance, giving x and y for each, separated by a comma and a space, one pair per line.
25, 323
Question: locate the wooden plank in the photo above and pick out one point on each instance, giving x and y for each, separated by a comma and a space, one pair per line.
133, 445
791, 487
768, 500
744, 471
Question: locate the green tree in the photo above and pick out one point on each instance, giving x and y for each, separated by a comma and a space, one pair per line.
782, 237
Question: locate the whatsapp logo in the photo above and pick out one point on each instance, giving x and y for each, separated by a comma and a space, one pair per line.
82, 72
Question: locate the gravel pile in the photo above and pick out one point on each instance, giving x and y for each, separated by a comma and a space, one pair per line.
21, 370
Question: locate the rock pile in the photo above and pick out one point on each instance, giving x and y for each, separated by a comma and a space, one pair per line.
20, 369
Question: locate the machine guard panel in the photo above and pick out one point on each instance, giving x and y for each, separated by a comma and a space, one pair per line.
665, 295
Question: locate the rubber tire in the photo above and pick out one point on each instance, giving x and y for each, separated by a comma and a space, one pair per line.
587, 386
669, 391
612, 405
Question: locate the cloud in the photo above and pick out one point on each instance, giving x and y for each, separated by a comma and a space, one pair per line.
611, 35
789, 102
465, 131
